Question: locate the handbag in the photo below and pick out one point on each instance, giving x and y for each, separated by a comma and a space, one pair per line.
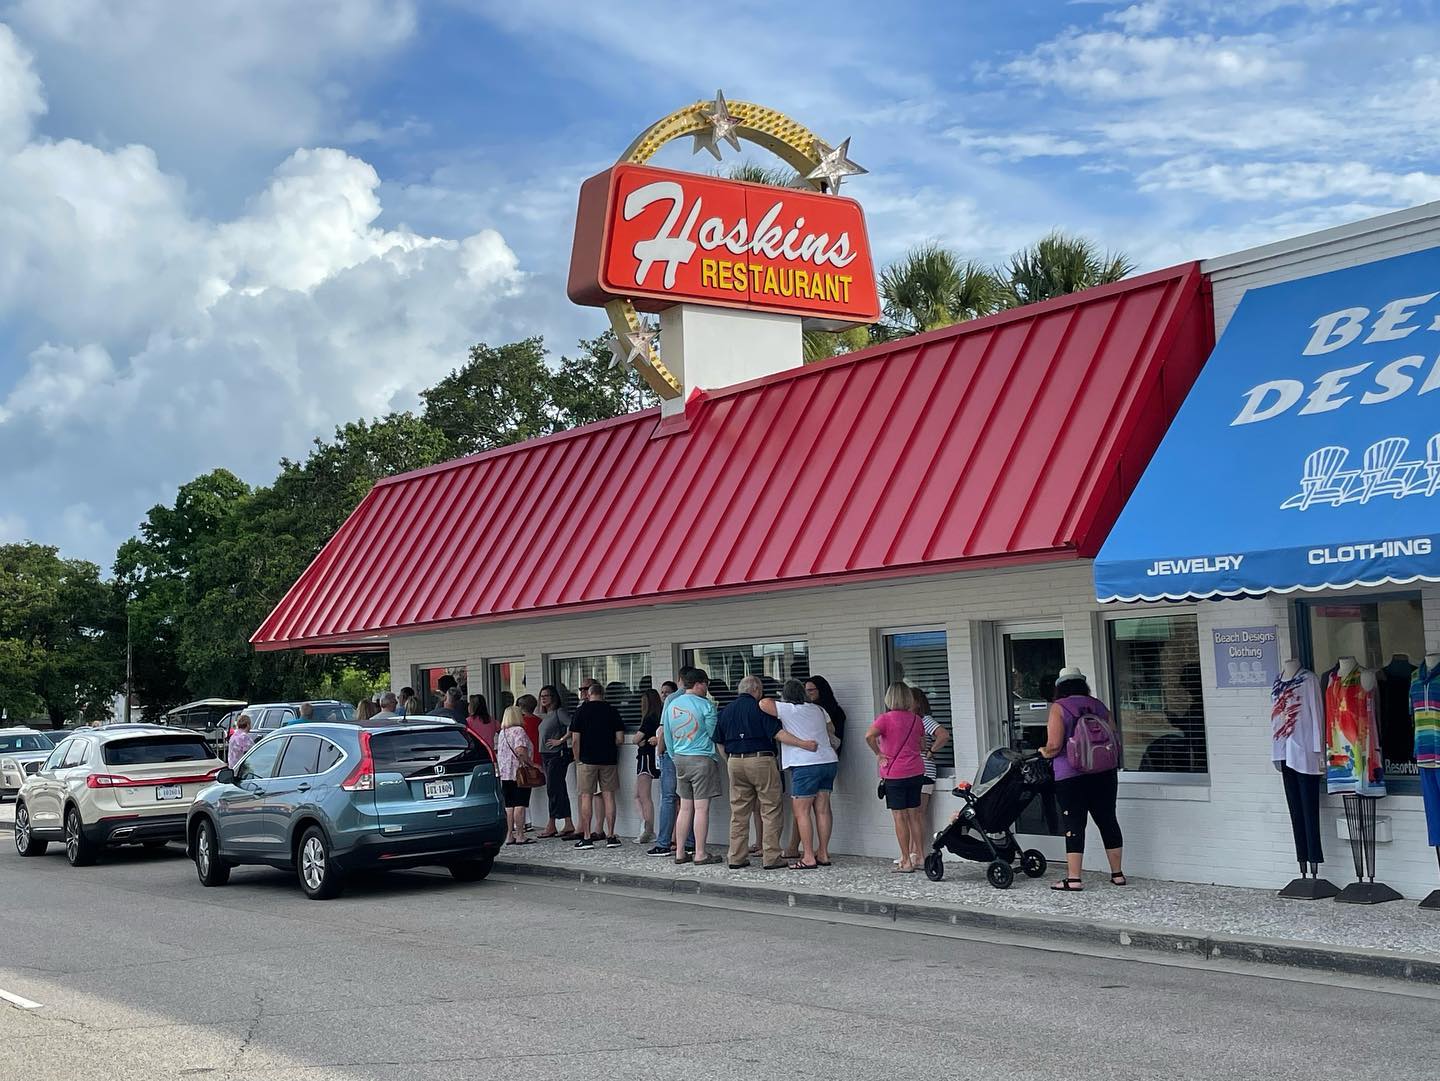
527, 774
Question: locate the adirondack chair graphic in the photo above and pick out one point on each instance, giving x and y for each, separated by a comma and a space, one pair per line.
1385, 471
1428, 483
1324, 479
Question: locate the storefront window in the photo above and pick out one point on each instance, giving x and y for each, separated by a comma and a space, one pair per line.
624, 675
727, 665
922, 659
1155, 677
505, 684
1386, 634
427, 683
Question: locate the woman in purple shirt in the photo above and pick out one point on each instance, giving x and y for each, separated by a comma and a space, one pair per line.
1081, 794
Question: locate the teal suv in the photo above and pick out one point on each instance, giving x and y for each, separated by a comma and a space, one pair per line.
326, 799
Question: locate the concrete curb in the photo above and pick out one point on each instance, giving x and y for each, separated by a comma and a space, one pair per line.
1209, 947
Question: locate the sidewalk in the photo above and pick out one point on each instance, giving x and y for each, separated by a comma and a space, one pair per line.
1395, 940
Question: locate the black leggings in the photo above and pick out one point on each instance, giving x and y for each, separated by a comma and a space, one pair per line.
556, 767
1093, 794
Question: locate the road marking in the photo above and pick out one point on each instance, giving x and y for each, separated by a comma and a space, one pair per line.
16, 1000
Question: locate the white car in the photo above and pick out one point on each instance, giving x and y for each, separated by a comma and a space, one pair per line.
121, 784
22, 750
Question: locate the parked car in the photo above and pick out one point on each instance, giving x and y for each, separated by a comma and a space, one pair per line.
118, 784
207, 717
22, 751
269, 717
323, 800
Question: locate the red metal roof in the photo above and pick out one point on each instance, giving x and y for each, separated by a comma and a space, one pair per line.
1007, 439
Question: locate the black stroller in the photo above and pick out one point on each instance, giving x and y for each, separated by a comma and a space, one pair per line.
984, 830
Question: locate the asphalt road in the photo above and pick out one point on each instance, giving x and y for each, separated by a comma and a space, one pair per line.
142, 973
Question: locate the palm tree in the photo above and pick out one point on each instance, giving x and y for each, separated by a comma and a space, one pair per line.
1057, 264
932, 287
777, 176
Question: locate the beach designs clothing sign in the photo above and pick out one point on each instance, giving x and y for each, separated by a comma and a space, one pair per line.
1246, 656
1307, 454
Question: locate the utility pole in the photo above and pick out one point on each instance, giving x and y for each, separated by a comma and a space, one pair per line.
129, 661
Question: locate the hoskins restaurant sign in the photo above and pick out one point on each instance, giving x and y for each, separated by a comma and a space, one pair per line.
647, 238
659, 238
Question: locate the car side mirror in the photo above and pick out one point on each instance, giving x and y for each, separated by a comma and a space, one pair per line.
225, 776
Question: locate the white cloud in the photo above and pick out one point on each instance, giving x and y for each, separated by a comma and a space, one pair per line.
169, 344
1293, 182
1111, 65
209, 86
1016, 146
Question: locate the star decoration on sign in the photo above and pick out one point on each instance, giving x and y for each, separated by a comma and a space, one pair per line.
635, 345
834, 165
723, 126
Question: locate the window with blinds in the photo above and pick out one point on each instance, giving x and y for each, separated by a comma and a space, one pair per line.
727, 665
1155, 681
921, 659
624, 675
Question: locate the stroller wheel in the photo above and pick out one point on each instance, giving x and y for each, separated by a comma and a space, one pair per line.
934, 867
1000, 875
1033, 863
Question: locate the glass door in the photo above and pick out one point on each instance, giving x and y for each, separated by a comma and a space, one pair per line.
505, 682
1030, 657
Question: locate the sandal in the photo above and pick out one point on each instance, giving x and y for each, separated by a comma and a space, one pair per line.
1117, 878
901, 869
701, 861
800, 865
1068, 885
546, 836
527, 841
683, 859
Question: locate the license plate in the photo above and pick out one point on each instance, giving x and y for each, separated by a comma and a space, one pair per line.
169, 791
439, 789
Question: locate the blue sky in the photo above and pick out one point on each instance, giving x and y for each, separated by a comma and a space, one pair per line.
227, 227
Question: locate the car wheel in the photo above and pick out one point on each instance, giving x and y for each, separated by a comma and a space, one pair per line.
25, 841
213, 871
320, 878
472, 870
78, 849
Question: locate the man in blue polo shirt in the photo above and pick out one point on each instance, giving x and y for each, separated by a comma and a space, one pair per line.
748, 735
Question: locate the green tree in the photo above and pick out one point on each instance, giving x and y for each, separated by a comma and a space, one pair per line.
351, 683
500, 395
588, 387
1057, 264
932, 287
58, 636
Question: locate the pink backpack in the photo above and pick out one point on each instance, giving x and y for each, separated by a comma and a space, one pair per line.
1093, 746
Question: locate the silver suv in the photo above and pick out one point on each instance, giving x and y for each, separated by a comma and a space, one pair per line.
119, 784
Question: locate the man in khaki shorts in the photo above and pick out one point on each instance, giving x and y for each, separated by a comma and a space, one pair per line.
595, 732
687, 728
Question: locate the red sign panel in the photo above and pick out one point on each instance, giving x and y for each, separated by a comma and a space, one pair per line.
658, 238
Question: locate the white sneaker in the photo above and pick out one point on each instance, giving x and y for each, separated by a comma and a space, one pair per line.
645, 837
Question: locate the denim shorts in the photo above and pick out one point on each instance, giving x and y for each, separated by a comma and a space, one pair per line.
806, 781
903, 794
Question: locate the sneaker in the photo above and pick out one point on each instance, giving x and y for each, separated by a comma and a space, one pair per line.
613, 842
645, 837
659, 850
584, 842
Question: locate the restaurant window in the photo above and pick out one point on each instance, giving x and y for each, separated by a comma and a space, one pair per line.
426, 682
504, 685
1386, 634
1157, 693
922, 659
624, 675
728, 664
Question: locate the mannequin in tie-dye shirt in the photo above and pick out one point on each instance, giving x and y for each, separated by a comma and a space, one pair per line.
1425, 708
1354, 762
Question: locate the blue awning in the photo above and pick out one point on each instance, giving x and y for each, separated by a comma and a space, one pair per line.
1306, 456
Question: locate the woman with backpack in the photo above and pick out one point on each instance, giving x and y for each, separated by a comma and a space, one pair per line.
1085, 747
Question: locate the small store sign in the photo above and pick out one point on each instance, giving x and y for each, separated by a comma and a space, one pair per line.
1246, 656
